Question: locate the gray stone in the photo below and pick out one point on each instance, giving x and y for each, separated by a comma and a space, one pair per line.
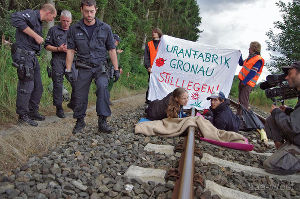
41, 186
41, 196
12, 193
79, 185
118, 187
103, 189
112, 194
6, 186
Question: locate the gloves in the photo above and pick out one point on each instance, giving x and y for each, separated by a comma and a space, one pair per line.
69, 76
116, 75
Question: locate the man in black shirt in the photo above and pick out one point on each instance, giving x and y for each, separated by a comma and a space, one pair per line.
29, 38
91, 39
56, 42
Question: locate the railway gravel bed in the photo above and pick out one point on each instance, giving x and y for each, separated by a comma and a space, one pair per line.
92, 165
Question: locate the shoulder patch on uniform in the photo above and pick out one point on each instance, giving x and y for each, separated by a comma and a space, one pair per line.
26, 15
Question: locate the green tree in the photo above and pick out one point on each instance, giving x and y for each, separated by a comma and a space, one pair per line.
286, 43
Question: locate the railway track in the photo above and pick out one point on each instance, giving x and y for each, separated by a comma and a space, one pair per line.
128, 165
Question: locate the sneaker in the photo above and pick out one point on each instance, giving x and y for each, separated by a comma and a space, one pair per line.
79, 126
24, 119
60, 112
36, 116
103, 126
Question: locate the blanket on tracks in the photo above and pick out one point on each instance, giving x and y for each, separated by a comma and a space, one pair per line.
170, 127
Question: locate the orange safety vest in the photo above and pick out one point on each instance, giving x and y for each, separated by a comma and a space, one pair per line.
247, 66
152, 51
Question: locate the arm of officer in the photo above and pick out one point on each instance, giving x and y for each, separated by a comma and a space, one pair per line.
69, 59
113, 57
21, 21
38, 39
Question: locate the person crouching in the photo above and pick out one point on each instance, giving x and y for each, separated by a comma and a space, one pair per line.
221, 115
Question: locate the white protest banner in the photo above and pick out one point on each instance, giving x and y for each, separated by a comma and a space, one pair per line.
200, 69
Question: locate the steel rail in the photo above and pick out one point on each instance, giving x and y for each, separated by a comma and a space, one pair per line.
184, 187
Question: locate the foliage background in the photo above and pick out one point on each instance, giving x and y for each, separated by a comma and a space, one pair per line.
133, 20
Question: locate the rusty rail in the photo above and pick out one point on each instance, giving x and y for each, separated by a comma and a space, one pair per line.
184, 186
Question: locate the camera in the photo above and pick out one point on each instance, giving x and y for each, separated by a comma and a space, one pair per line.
276, 86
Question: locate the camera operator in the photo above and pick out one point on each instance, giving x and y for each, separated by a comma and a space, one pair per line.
283, 127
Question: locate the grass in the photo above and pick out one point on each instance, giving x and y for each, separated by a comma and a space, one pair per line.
17, 147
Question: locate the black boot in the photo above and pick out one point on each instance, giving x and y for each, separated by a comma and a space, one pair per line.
24, 119
35, 115
60, 112
71, 105
80, 124
103, 126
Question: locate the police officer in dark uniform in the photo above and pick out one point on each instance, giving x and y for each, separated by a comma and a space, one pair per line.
56, 42
29, 38
91, 39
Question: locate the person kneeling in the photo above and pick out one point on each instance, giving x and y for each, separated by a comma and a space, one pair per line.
170, 106
221, 115
283, 127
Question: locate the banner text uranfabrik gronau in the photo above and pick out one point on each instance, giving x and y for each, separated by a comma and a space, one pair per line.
200, 69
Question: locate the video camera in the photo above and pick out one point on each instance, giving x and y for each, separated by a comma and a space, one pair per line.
277, 86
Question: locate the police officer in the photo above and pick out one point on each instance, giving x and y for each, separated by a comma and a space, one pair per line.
91, 39
56, 42
29, 38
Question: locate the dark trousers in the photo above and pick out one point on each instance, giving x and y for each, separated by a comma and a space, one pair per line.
82, 86
147, 92
29, 91
275, 133
244, 93
58, 71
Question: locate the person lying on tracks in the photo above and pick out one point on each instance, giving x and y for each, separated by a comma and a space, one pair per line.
283, 127
170, 106
220, 113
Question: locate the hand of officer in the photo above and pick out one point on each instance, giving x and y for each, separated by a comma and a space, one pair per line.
63, 48
69, 76
116, 75
38, 39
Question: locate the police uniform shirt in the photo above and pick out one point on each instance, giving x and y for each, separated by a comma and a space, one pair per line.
56, 37
23, 19
91, 50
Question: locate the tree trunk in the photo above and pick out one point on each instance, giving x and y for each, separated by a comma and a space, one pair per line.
48, 26
145, 37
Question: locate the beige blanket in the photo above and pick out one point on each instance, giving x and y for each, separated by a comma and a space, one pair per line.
175, 126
